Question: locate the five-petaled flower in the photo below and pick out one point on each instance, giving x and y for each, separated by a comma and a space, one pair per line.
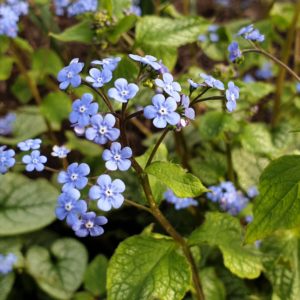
34, 161
212, 82
102, 129
69, 206
60, 152
89, 224
162, 111
83, 109
70, 75
33, 144
74, 176
7, 159
171, 87
98, 78
117, 158
123, 91
107, 192
109, 63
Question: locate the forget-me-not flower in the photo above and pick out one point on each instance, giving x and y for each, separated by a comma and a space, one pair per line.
89, 224
123, 91
252, 192
8, 21
69, 75
232, 94
107, 192
79, 7
109, 63
162, 111
34, 161
147, 60
83, 110
298, 87
6, 123
234, 51
60, 152
102, 129
250, 33
265, 72
171, 87
179, 203
29, 144
69, 206
7, 262
117, 158
7, 159
212, 82
98, 78
74, 177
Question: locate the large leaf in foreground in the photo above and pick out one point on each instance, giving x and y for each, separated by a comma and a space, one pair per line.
58, 271
278, 205
25, 205
144, 267
225, 232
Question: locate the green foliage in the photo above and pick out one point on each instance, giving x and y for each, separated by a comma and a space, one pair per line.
6, 284
213, 287
21, 90
6, 64
253, 92
278, 205
145, 267
225, 232
175, 177
58, 271
162, 36
25, 205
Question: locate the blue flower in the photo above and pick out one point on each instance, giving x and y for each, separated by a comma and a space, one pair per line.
99, 78
265, 72
30, 144
194, 85
102, 129
60, 152
109, 63
162, 111
82, 6
70, 75
298, 87
252, 192
248, 78
246, 29
179, 203
250, 33
7, 159
19, 7
34, 161
68, 206
117, 158
212, 34
108, 192
212, 82
163, 69
123, 91
188, 112
169, 86
74, 177
8, 21
234, 51
6, 124
232, 94
89, 224
147, 60
83, 110
7, 262
60, 6
202, 38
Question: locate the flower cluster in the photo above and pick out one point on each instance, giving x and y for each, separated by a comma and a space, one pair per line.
211, 35
251, 33
10, 13
74, 8
179, 203
230, 199
6, 124
7, 262
234, 51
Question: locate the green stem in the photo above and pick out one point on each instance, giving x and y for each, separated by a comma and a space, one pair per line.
139, 206
157, 146
207, 99
198, 97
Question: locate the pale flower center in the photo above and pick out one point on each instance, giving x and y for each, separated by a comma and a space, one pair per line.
68, 206
82, 109
69, 74
89, 224
124, 93
117, 157
163, 111
74, 176
34, 161
102, 129
108, 192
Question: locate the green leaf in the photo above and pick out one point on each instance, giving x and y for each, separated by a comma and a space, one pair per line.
95, 276
213, 287
6, 64
278, 203
156, 35
119, 6
58, 271
214, 123
256, 138
29, 123
56, 107
144, 267
21, 90
225, 232
81, 32
121, 27
4, 43
175, 177
25, 205
23, 45
53, 65
83, 296
6, 284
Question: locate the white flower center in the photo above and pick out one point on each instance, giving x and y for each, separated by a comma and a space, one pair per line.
69, 74
68, 206
74, 176
117, 157
169, 87
102, 129
163, 111
124, 93
108, 192
232, 97
82, 109
89, 224
35, 161
99, 80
